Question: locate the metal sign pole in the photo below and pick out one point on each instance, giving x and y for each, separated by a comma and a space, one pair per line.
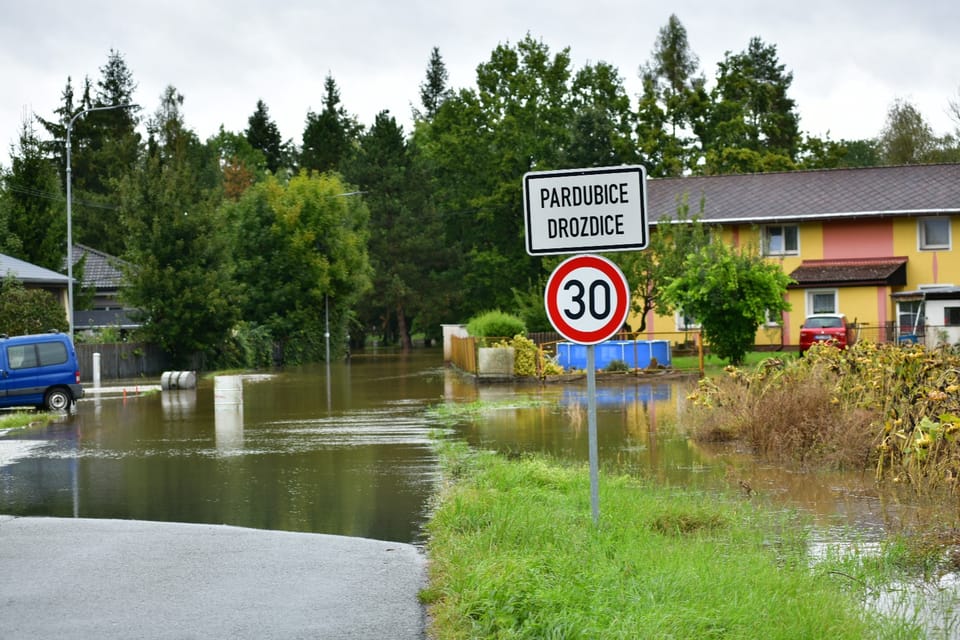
592, 433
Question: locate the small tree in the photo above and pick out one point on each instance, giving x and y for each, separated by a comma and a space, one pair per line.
730, 292
24, 311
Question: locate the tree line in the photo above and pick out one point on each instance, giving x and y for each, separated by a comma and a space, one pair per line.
245, 239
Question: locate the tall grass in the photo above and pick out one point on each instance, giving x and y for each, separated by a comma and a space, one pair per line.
892, 409
514, 554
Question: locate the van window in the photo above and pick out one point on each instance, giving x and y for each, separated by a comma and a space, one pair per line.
52, 353
22, 356
41, 354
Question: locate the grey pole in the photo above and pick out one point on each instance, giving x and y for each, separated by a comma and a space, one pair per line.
592, 433
70, 207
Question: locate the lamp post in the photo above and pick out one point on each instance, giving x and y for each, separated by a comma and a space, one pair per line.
70, 207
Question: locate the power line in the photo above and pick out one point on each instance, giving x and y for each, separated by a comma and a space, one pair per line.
56, 197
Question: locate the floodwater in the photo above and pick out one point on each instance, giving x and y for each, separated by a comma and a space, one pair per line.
349, 450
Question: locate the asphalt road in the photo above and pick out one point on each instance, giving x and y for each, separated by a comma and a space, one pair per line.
81, 578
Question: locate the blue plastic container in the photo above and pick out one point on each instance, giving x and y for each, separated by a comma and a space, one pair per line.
571, 356
660, 349
636, 353
607, 352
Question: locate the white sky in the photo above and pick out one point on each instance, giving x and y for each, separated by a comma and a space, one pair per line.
849, 59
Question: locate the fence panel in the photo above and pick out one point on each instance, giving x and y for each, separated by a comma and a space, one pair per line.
121, 360
463, 353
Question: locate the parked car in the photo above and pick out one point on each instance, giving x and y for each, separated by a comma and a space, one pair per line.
39, 370
825, 327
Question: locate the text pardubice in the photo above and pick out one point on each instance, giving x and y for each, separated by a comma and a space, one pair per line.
585, 210
615, 193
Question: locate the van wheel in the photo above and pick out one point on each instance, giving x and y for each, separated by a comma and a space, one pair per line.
57, 400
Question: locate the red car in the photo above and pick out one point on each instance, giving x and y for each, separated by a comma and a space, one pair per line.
824, 327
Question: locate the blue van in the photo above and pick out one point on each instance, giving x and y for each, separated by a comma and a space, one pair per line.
39, 370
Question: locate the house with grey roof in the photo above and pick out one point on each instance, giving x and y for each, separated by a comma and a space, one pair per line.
849, 238
35, 277
103, 275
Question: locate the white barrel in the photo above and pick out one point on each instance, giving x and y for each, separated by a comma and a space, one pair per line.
178, 380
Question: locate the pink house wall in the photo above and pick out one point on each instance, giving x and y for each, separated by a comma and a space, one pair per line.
861, 239
858, 239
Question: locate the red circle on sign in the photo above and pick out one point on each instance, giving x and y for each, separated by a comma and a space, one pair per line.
594, 329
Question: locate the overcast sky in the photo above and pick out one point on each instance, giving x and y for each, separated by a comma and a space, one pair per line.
850, 59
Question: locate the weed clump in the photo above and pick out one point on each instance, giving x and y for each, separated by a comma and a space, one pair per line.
890, 408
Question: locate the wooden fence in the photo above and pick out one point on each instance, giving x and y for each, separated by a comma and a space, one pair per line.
463, 353
122, 360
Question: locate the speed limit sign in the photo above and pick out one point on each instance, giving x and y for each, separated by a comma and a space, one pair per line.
587, 299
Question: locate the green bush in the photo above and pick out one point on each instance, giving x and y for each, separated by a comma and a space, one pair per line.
249, 346
495, 324
24, 311
619, 366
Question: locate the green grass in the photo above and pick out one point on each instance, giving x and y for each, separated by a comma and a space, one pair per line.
20, 419
514, 553
713, 365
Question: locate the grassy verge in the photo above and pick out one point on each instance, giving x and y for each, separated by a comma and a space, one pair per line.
20, 420
514, 554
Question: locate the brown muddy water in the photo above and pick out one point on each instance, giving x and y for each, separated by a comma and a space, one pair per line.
350, 450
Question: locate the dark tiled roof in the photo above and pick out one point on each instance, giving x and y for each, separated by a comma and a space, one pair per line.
101, 270
850, 272
796, 195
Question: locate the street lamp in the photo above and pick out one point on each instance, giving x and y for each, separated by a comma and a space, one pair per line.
70, 207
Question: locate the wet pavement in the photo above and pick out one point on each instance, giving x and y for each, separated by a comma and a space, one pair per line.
83, 578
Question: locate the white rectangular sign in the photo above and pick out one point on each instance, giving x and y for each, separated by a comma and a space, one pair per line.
584, 210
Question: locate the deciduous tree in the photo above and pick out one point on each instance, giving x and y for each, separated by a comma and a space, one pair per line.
300, 248
730, 292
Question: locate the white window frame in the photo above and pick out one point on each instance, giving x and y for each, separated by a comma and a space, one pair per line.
922, 243
786, 251
815, 292
772, 318
680, 319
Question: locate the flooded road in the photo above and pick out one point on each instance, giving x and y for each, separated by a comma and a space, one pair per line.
351, 453
350, 450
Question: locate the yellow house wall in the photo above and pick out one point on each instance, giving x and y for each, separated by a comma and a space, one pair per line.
870, 306
926, 267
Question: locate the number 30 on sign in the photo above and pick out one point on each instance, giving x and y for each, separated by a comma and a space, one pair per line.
587, 299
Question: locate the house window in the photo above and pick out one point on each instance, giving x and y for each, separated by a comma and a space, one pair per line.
934, 234
908, 316
685, 322
951, 316
821, 301
781, 240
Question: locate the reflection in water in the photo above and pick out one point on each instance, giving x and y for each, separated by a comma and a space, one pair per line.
228, 413
349, 453
347, 449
